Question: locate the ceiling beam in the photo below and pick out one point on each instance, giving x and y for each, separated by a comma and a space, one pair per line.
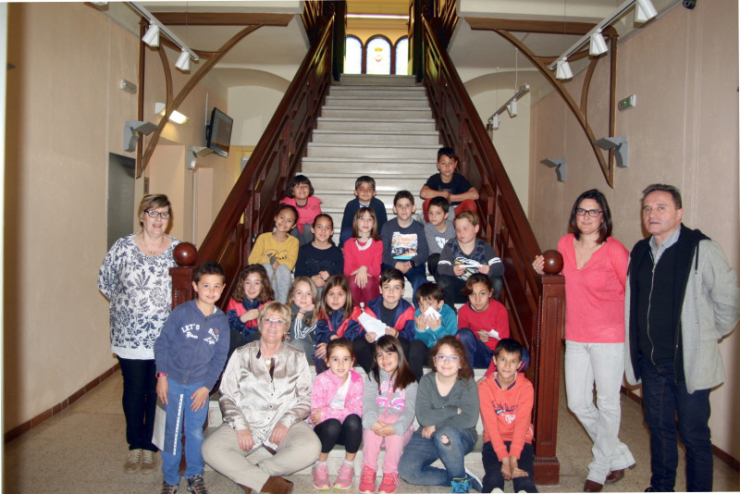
543, 27
222, 19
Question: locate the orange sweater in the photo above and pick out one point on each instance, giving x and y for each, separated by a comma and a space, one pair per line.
507, 414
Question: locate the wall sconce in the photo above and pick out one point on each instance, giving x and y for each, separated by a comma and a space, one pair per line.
131, 131
192, 155
620, 146
177, 117
558, 164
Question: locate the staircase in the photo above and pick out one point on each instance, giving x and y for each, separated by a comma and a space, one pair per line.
380, 126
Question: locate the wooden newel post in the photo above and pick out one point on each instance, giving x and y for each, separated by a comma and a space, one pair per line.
185, 255
548, 345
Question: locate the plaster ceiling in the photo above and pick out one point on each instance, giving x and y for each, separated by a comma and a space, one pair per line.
483, 56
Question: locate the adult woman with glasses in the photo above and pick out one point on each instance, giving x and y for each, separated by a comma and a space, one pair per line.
135, 277
265, 398
595, 270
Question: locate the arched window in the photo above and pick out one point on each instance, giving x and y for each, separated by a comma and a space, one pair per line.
379, 56
353, 55
402, 56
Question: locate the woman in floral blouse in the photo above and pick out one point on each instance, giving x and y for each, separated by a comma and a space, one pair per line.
135, 278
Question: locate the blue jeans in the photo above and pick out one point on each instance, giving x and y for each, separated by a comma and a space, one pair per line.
479, 355
417, 276
178, 408
492, 465
415, 465
663, 400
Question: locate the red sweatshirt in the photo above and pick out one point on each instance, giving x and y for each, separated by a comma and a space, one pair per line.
494, 317
507, 414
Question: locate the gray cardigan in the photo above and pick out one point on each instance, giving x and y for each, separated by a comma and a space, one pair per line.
710, 311
375, 404
439, 411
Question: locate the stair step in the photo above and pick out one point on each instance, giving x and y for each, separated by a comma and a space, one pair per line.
363, 137
377, 80
365, 125
372, 103
396, 152
377, 92
397, 113
372, 165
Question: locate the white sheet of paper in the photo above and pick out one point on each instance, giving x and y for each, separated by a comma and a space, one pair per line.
492, 333
471, 264
432, 312
372, 325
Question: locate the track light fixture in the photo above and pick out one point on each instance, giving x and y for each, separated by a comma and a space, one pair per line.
644, 11
151, 38
183, 62
510, 106
598, 45
563, 71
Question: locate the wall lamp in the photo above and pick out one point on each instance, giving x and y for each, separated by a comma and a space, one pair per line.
192, 155
131, 131
620, 146
177, 117
510, 106
558, 164
156, 28
644, 11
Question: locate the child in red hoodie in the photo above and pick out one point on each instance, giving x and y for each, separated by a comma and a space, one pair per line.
506, 400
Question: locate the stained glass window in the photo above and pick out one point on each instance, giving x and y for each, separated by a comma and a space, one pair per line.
378, 56
402, 56
353, 55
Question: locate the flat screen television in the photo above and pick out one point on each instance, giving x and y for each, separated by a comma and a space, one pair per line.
218, 132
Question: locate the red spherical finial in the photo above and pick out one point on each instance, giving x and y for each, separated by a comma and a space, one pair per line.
185, 254
553, 262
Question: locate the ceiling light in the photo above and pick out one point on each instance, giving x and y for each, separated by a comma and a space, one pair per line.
644, 11
511, 108
177, 117
598, 45
496, 122
183, 63
563, 71
151, 37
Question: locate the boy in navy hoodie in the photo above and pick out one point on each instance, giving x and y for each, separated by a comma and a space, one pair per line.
190, 354
398, 316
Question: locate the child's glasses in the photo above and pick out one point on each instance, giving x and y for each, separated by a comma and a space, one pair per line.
444, 358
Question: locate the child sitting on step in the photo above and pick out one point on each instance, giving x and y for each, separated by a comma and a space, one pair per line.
300, 196
336, 408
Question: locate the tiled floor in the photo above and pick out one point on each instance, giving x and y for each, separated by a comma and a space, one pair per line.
83, 449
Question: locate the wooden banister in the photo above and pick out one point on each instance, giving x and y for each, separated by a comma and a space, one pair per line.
250, 207
535, 303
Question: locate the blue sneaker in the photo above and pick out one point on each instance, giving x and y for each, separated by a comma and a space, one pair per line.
459, 485
474, 481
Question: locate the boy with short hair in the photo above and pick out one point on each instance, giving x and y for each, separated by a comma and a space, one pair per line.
506, 401
438, 231
364, 196
398, 316
404, 243
438, 322
190, 354
464, 256
449, 184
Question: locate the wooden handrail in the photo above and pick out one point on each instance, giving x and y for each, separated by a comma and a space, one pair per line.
250, 207
535, 303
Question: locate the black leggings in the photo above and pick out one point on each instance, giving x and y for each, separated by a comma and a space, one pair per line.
348, 433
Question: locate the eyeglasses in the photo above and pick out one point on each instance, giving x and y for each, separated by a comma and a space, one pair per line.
443, 358
591, 212
269, 320
157, 214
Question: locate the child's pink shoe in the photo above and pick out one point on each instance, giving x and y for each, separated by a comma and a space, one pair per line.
320, 476
367, 481
344, 476
388, 484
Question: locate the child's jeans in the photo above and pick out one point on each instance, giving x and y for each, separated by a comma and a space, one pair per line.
394, 445
280, 279
492, 465
415, 465
479, 354
178, 407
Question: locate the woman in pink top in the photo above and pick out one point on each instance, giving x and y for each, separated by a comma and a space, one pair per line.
595, 270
